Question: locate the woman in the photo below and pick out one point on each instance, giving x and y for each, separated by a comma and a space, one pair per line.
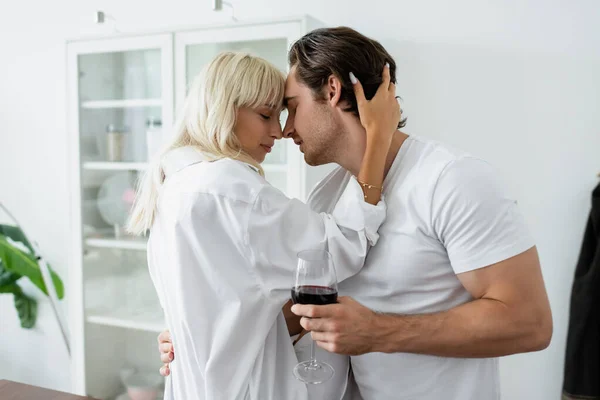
223, 242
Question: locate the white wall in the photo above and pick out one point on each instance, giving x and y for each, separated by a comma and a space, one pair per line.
515, 82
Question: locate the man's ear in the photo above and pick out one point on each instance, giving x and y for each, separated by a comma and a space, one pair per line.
333, 90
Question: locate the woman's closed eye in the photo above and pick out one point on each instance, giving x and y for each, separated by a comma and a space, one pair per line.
267, 117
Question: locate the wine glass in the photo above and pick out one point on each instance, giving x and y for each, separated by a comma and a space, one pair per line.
315, 283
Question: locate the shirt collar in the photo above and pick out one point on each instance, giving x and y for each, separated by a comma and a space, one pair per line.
177, 159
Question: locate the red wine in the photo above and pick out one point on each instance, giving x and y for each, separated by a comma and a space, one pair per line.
318, 295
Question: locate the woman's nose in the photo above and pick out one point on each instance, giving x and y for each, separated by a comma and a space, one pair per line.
276, 132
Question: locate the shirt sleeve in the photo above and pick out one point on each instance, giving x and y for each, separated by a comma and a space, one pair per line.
279, 228
474, 219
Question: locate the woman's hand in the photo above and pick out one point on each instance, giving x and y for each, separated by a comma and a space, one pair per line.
166, 350
380, 115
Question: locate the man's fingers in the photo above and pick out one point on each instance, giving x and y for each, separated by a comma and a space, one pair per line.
305, 310
312, 311
327, 346
321, 324
323, 336
315, 324
358, 89
305, 323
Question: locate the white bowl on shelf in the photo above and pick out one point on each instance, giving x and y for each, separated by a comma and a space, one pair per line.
116, 197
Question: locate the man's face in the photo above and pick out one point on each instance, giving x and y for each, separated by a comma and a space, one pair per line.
310, 123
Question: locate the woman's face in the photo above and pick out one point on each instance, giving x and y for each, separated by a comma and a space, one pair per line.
257, 129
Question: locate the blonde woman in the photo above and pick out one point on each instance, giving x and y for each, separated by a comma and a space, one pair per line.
223, 242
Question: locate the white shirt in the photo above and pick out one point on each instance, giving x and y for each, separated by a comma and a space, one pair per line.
447, 214
222, 256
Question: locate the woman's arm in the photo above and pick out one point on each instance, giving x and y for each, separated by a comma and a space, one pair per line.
379, 116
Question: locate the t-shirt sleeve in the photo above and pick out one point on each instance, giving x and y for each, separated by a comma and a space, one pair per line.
473, 217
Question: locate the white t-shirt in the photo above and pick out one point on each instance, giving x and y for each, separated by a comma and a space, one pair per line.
447, 214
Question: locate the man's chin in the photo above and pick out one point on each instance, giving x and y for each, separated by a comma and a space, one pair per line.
312, 161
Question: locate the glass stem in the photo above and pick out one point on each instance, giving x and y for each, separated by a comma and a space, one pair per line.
313, 359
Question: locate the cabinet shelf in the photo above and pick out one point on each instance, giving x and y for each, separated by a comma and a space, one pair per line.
145, 320
114, 166
122, 244
132, 103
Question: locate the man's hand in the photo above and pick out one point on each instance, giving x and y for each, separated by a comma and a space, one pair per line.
344, 328
166, 350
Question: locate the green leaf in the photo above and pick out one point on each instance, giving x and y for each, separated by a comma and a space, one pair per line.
6, 277
26, 309
16, 234
21, 263
25, 305
12, 288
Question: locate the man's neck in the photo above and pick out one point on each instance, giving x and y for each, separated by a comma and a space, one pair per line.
353, 153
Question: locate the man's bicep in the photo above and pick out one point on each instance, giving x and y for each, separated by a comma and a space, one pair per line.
514, 281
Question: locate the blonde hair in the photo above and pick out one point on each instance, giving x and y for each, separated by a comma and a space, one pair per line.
207, 120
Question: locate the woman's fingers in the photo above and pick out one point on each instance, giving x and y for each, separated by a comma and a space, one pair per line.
165, 336
166, 357
358, 90
165, 370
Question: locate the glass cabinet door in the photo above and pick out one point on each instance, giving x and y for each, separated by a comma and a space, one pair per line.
120, 97
120, 105
124, 98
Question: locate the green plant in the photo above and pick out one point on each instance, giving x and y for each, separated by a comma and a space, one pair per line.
18, 260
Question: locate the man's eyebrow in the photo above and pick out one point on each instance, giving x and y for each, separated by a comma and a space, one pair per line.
287, 99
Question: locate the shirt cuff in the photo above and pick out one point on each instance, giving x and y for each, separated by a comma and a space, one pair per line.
353, 212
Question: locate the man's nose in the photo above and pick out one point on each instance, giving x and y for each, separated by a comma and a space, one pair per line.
288, 129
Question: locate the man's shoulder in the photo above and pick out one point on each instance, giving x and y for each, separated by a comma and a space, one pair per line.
429, 159
432, 153
423, 165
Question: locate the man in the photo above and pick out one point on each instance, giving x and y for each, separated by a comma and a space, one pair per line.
454, 281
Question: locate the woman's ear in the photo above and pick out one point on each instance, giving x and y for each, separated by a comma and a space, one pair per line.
334, 90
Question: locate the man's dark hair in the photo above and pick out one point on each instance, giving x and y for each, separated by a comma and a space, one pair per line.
339, 51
